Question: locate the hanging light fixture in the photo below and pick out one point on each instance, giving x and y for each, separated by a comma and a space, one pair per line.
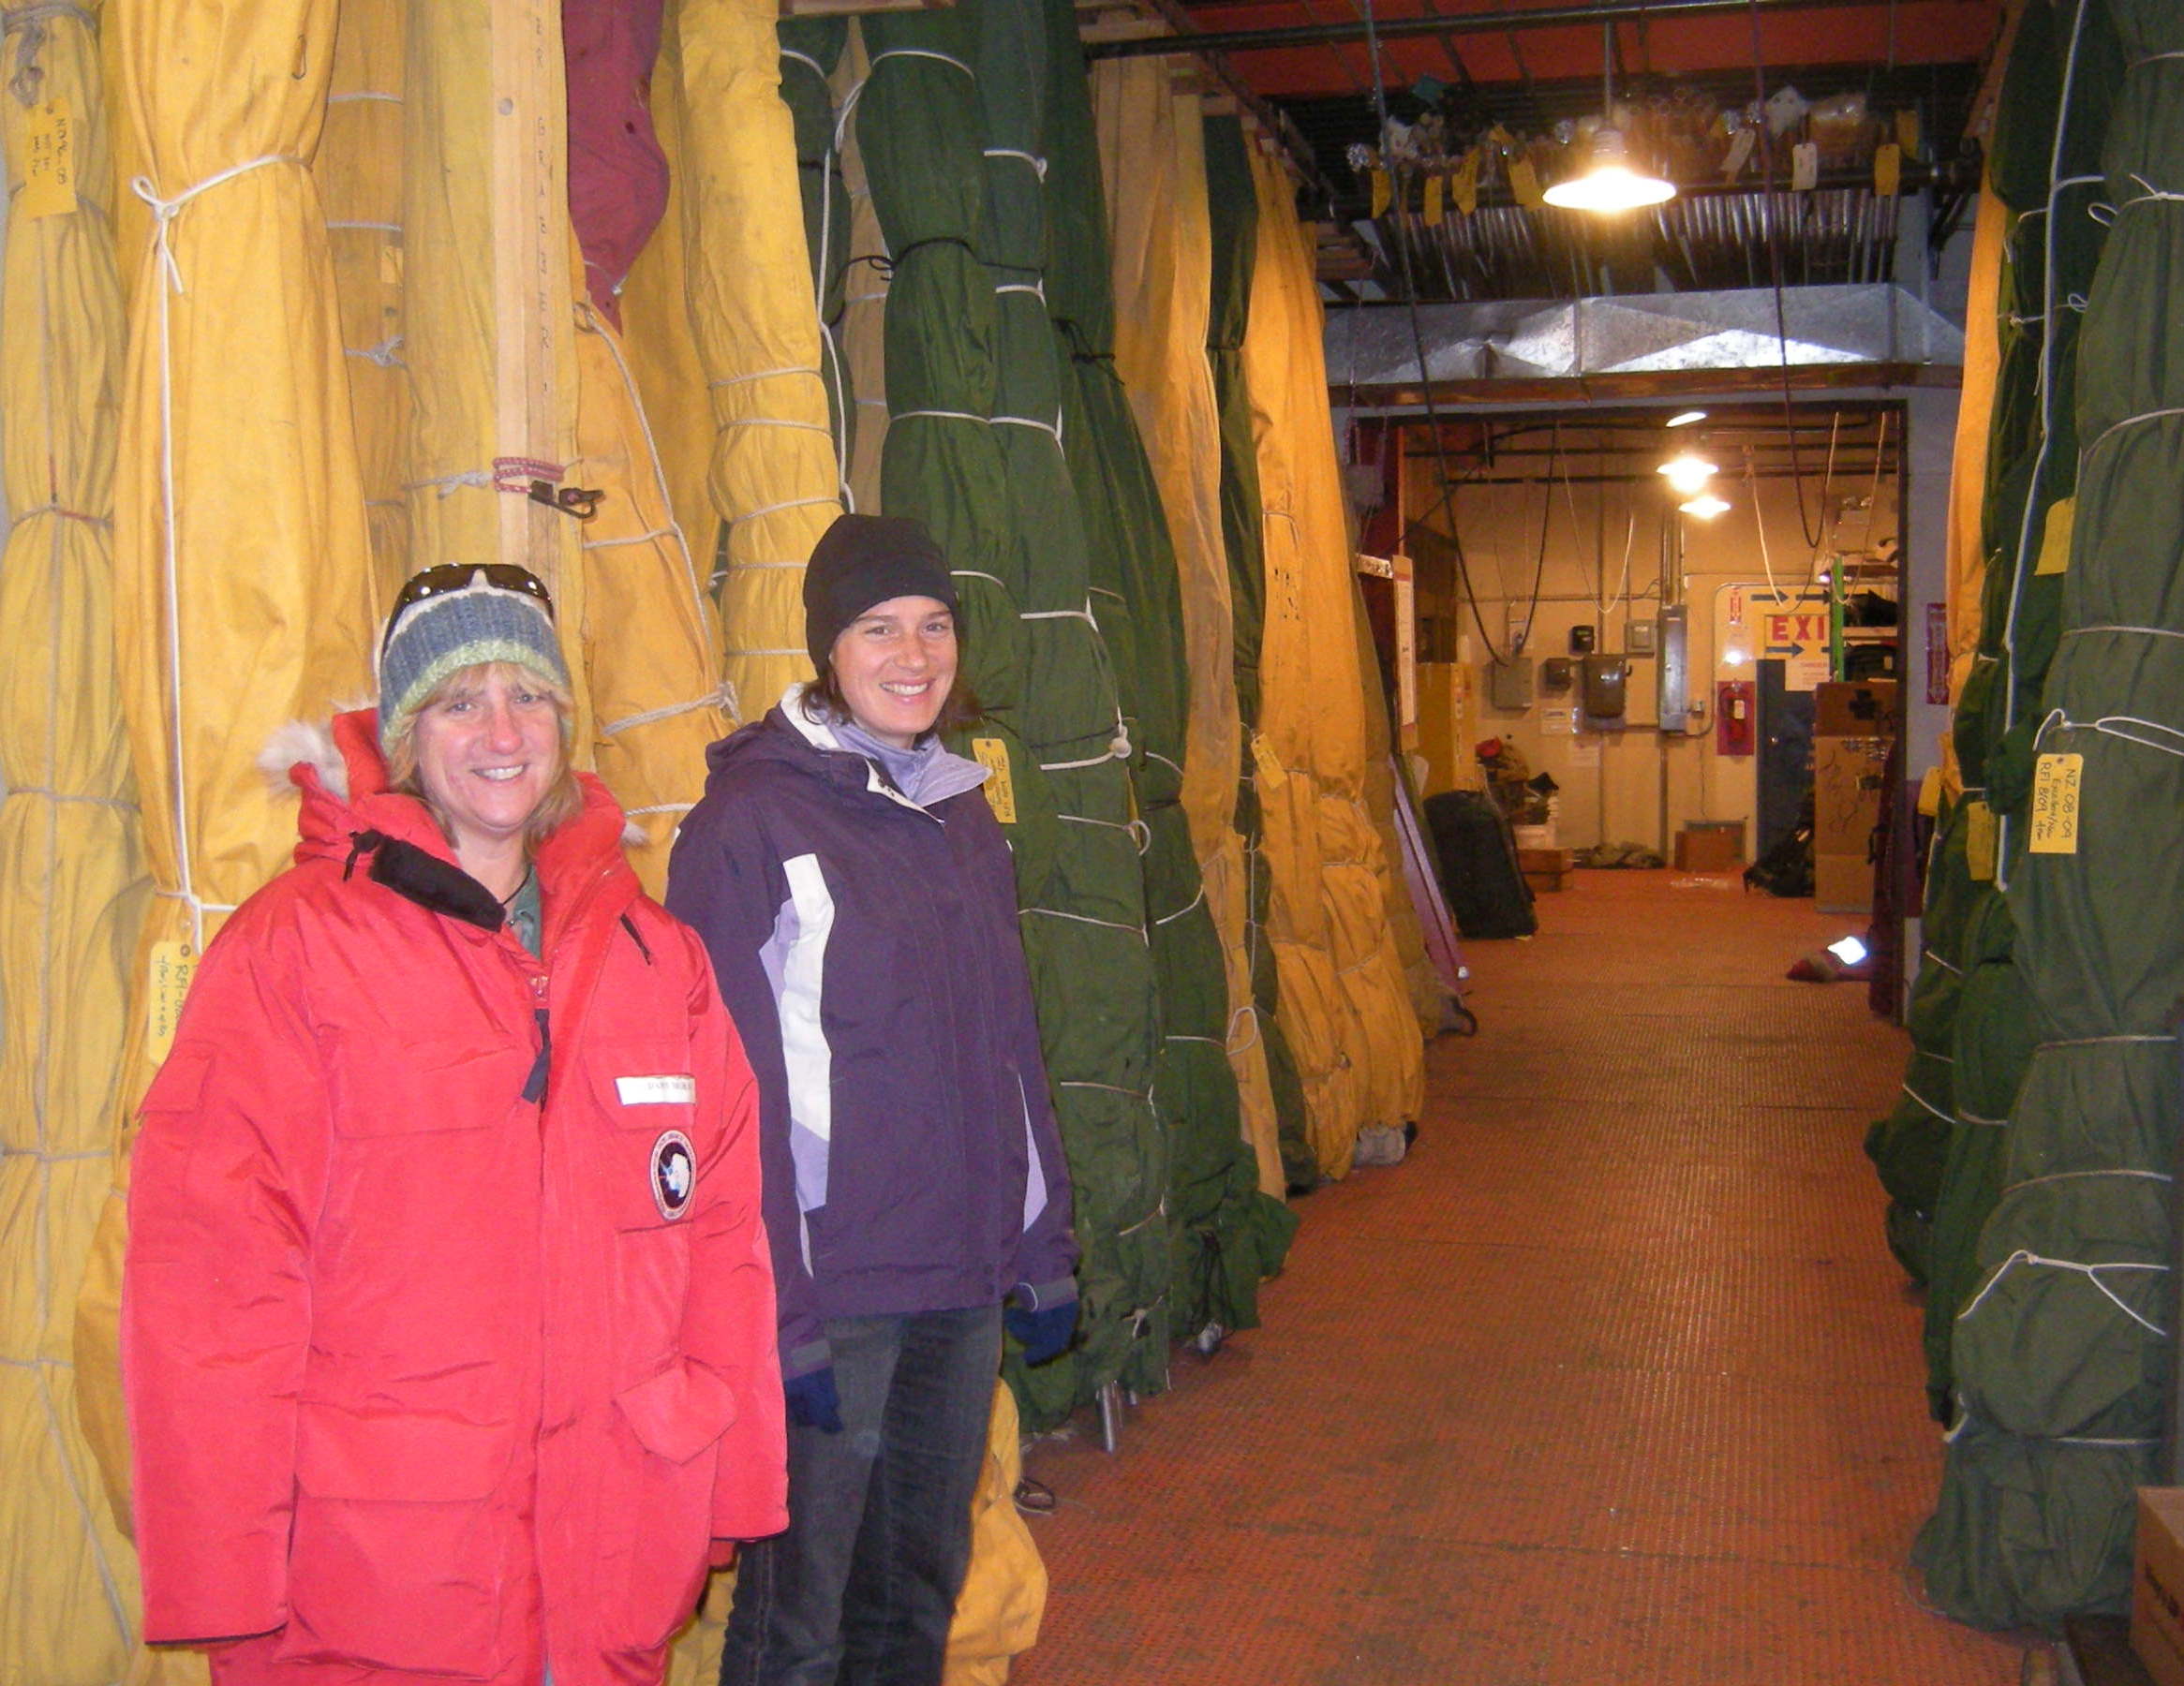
1688, 474
1610, 184
1685, 418
1707, 507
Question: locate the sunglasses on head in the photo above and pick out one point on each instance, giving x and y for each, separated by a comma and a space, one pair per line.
458, 576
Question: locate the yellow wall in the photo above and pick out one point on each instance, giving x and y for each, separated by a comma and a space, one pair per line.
1619, 799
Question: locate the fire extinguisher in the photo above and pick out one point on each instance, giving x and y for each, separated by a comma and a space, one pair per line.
1736, 707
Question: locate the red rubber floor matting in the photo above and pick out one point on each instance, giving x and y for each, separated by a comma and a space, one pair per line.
1612, 1381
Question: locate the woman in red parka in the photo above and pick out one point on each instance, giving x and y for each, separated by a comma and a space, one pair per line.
448, 1321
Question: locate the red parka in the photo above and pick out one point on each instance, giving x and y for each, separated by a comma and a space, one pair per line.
446, 1355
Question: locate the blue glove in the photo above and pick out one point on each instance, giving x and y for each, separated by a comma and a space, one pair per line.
812, 1401
1044, 1332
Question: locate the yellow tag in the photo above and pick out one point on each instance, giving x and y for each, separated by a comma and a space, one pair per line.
1930, 792
174, 964
2054, 538
1887, 169
1466, 182
1981, 838
1906, 132
1000, 789
1524, 183
1382, 191
1434, 189
2055, 804
49, 162
1272, 774
1740, 152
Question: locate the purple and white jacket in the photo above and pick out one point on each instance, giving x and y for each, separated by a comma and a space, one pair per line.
867, 947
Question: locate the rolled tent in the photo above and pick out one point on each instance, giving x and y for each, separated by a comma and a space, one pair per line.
862, 335
1225, 1234
811, 52
2062, 1356
1152, 157
72, 882
774, 477
243, 571
358, 168
1345, 1001
1233, 208
648, 641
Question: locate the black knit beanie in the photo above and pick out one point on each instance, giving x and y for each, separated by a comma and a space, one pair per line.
865, 559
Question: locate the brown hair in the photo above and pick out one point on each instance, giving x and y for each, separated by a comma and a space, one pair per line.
564, 797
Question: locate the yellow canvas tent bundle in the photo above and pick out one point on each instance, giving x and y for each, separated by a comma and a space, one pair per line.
1345, 1001
72, 865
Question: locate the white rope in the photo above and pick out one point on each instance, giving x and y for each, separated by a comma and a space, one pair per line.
1112, 1089
67, 513
715, 698
2158, 415
377, 227
2112, 726
2097, 1042
1926, 1103
729, 381
1211, 1042
1038, 164
1036, 289
805, 58
1082, 614
1071, 767
1930, 954
1155, 755
789, 421
762, 567
164, 211
1160, 1210
973, 573
363, 94
2054, 1177
942, 415
1186, 907
646, 537
449, 482
383, 353
918, 53
2142, 631
1137, 931
1053, 428
52, 795
2150, 195
772, 509
2090, 1272
659, 808
1968, 1117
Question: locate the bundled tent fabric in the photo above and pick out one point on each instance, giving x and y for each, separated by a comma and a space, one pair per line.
649, 648
1227, 1234
243, 571
72, 884
1152, 157
2063, 1355
358, 168
950, 128
1344, 1001
1232, 204
811, 52
774, 479
861, 334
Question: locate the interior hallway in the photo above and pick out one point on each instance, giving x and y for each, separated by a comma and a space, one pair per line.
1612, 1381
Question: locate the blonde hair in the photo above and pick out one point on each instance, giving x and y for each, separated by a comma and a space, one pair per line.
564, 797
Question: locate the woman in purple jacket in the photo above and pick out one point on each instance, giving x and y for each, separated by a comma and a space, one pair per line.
858, 896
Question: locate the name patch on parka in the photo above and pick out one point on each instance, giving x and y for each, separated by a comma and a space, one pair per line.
656, 1092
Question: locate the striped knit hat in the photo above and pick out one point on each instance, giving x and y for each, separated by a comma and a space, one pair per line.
444, 622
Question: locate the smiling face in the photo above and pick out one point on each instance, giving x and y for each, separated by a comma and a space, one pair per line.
896, 664
488, 749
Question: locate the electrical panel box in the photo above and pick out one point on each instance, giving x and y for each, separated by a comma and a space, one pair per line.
1580, 640
1672, 693
1605, 680
1736, 711
1509, 684
1557, 675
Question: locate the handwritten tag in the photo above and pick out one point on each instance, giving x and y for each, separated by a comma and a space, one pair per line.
1383, 192
1000, 789
1272, 774
1436, 185
49, 162
1740, 152
1887, 169
1466, 185
1804, 166
1906, 132
1524, 183
2055, 804
1981, 838
174, 964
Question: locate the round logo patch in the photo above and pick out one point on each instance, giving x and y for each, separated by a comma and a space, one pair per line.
674, 1173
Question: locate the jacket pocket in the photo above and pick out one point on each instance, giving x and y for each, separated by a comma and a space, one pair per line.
665, 1453
402, 1548
436, 1084
650, 1163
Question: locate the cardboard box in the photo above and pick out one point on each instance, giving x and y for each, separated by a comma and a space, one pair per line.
1542, 882
1856, 708
1845, 793
2157, 1585
1545, 860
1711, 847
1843, 883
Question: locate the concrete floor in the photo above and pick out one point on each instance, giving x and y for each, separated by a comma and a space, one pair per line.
1612, 1381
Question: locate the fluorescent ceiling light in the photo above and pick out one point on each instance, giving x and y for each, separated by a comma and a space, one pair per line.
1685, 418
1610, 184
1706, 508
1849, 949
1688, 474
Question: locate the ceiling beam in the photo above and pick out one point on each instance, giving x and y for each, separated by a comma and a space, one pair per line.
1444, 24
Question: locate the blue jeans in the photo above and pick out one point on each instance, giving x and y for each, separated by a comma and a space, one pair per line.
861, 1589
